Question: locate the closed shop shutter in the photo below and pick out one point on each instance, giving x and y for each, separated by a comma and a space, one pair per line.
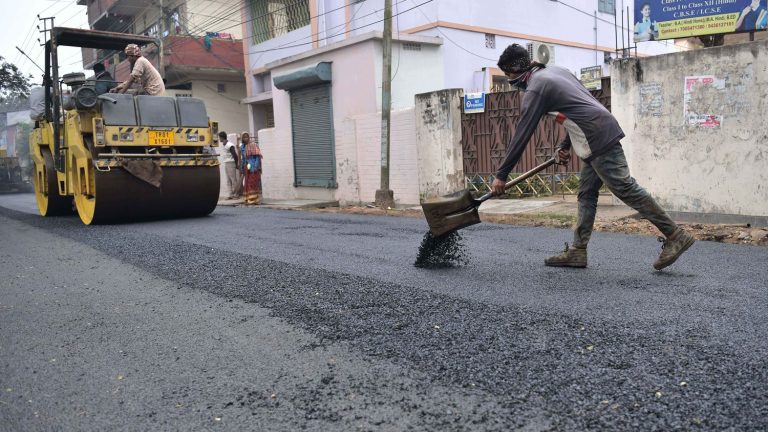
313, 144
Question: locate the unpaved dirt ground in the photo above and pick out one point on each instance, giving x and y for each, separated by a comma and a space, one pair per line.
565, 217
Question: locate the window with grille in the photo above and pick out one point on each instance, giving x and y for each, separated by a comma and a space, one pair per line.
490, 41
272, 18
606, 6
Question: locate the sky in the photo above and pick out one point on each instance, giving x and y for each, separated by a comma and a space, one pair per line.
18, 28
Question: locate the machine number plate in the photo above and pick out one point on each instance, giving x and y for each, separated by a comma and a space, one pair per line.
160, 138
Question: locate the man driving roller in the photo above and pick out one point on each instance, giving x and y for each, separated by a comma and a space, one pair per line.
142, 72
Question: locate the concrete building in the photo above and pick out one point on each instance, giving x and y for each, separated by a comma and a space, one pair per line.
9, 128
202, 50
323, 59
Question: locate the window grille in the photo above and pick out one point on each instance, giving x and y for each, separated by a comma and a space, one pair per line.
152, 30
410, 46
606, 6
490, 41
272, 18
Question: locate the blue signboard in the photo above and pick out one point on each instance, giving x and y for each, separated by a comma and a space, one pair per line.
474, 103
672, 19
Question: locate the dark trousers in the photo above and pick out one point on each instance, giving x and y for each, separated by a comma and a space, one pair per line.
610, 168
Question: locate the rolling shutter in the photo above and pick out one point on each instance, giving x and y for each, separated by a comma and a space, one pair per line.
313, 144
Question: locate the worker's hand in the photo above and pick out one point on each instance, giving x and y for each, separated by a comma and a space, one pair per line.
563, 156
498, 187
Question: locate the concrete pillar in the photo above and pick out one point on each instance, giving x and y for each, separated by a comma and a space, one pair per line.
438, 142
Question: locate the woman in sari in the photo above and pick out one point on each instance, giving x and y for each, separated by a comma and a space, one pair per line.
244, 138
252, 171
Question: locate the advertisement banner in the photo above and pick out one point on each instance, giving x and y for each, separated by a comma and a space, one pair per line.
592, 77
671, 19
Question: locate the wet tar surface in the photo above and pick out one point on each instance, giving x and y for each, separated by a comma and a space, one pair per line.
277, 320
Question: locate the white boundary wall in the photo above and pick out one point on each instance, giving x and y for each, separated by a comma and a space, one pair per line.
687, 166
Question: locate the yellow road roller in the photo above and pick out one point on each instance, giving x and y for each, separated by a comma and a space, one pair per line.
119, 157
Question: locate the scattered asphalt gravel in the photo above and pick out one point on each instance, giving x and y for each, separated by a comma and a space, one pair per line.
444, 251
509, 343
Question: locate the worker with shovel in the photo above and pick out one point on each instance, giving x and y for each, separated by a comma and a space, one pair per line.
594, 135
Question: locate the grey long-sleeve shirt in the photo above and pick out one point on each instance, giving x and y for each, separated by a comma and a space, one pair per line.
592, 129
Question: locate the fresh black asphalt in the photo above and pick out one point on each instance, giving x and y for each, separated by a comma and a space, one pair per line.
323, 323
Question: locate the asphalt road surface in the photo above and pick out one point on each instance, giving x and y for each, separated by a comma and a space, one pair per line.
258, 319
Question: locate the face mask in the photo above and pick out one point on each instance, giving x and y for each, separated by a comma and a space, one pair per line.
519, 83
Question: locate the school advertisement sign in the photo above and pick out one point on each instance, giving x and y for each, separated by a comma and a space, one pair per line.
671, 19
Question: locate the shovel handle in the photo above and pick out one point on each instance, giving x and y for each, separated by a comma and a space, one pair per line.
525, 176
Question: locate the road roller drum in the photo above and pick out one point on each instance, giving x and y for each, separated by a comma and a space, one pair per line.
121, 196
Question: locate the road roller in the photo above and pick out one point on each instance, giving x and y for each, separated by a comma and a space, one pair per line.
115, 158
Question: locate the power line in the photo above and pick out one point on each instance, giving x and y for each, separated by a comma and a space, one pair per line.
24, 44
354, 16
189, 24
348, 31
128, 24
296, 45
451, 40
621, 26
224, 15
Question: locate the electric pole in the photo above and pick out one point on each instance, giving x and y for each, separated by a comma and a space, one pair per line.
161, 45
385, 196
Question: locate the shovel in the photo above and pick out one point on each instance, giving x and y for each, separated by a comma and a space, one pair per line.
454, 212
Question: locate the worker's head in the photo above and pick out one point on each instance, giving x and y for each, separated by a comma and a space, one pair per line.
245, 137
514, 60
98, 68
133, 52
223, 136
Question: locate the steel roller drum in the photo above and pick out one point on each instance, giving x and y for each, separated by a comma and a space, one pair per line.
49, 202
122, 197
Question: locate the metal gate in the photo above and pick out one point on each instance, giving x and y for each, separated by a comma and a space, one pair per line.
485, 137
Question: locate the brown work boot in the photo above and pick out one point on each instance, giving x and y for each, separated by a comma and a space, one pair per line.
673, 247
571, 257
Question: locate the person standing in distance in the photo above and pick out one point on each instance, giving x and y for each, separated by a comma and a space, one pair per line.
103, 79
231, 162
594, 134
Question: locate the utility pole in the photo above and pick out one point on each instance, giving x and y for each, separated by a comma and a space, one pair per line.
385, 196
161, 45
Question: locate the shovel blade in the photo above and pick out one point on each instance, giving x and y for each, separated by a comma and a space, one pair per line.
451, 213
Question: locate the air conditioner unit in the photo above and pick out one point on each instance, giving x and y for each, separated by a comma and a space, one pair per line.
541, 52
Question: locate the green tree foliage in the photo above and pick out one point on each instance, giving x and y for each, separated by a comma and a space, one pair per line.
14, 86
